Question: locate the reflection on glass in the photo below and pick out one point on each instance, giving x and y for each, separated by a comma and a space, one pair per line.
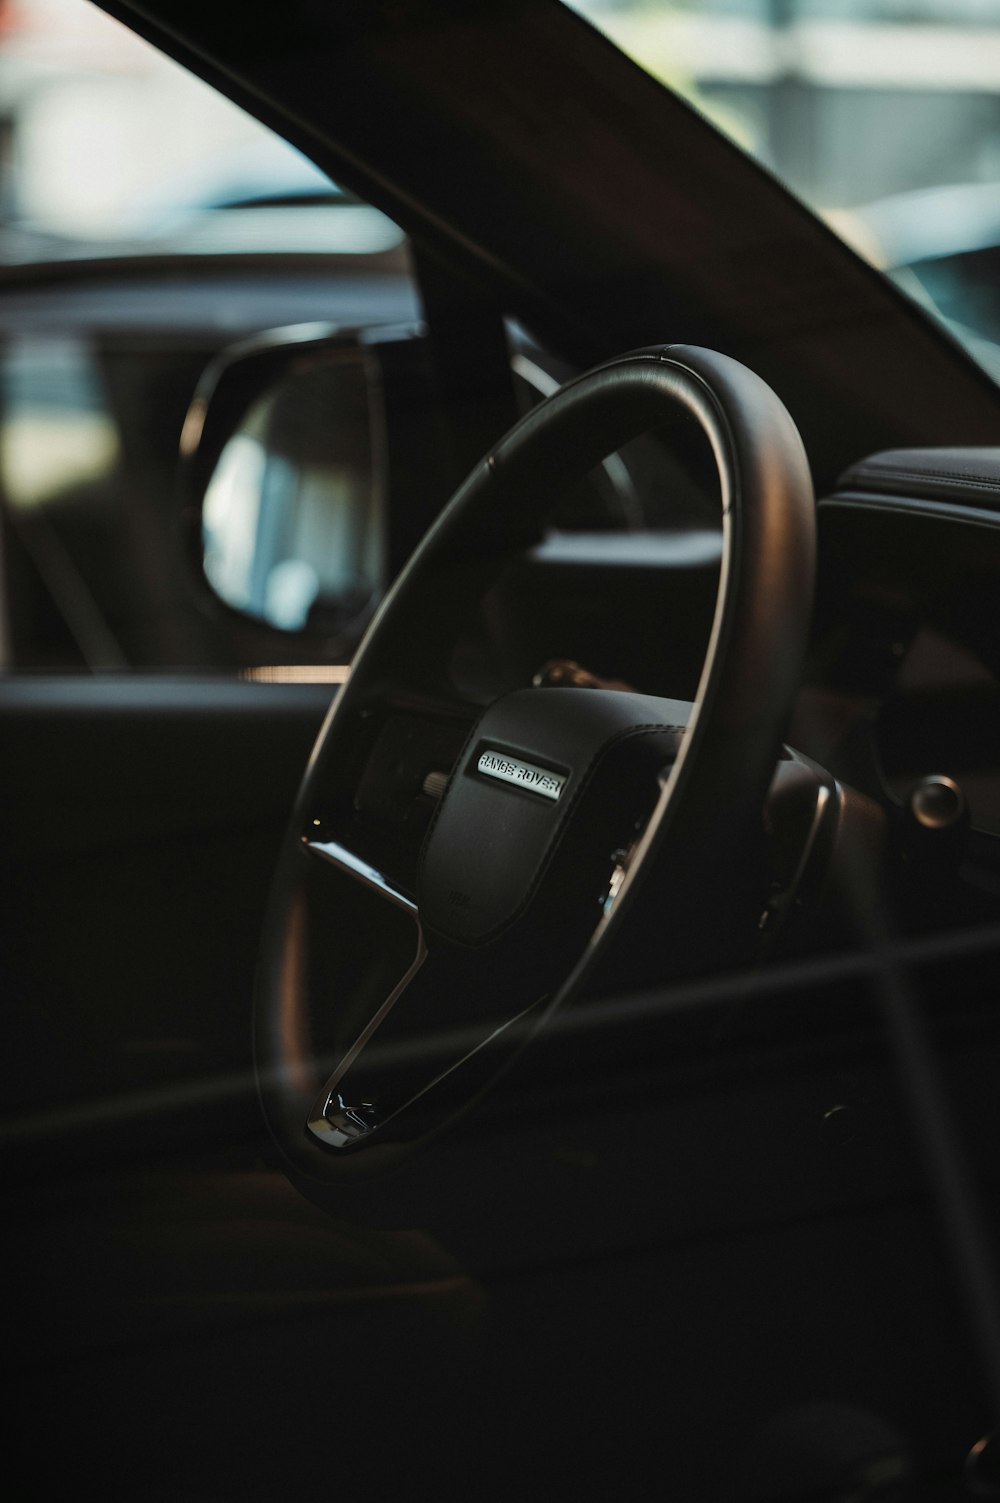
292, 522
232, 506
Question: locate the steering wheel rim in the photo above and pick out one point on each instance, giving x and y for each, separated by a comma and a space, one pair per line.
708, 801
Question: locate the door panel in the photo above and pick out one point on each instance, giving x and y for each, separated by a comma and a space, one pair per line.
140, 819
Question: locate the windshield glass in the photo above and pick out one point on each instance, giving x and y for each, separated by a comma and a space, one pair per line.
883, 115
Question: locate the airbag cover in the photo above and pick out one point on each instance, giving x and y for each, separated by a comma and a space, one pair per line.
550, 787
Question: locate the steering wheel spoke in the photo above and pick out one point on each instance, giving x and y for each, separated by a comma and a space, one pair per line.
354, 866
338, 1122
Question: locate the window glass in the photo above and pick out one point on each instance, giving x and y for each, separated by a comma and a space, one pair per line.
56, 432
883, 115
146, 225
108, 145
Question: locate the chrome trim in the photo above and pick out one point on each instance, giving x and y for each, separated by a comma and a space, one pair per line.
353, 866
337, 1125
341, 1124
507, 769
348, 1123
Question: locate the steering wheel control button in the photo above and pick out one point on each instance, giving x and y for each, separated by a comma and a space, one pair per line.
410, 753
507, 769
434, 785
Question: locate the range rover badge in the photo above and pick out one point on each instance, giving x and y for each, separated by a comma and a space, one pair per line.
522, 774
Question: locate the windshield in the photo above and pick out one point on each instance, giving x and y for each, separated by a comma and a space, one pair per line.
882, 115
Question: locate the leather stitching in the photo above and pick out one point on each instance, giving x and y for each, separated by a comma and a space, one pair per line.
979, 481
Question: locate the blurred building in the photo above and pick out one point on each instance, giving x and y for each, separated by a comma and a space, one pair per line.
846, 100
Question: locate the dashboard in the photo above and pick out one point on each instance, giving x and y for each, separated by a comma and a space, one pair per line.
903, 690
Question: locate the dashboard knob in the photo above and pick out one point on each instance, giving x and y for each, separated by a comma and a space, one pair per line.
937, 803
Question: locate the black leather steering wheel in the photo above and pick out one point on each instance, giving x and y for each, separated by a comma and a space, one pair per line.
458, 865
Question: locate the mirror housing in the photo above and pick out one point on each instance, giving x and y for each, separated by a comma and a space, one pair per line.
284, 454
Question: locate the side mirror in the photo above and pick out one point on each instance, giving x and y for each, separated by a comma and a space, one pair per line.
283, 444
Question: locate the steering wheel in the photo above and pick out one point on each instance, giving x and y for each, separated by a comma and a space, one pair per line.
458, 865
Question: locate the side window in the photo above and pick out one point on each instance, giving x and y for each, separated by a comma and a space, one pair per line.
60, 459
147, 225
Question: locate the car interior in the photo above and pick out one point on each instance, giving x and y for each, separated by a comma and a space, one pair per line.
501, 813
